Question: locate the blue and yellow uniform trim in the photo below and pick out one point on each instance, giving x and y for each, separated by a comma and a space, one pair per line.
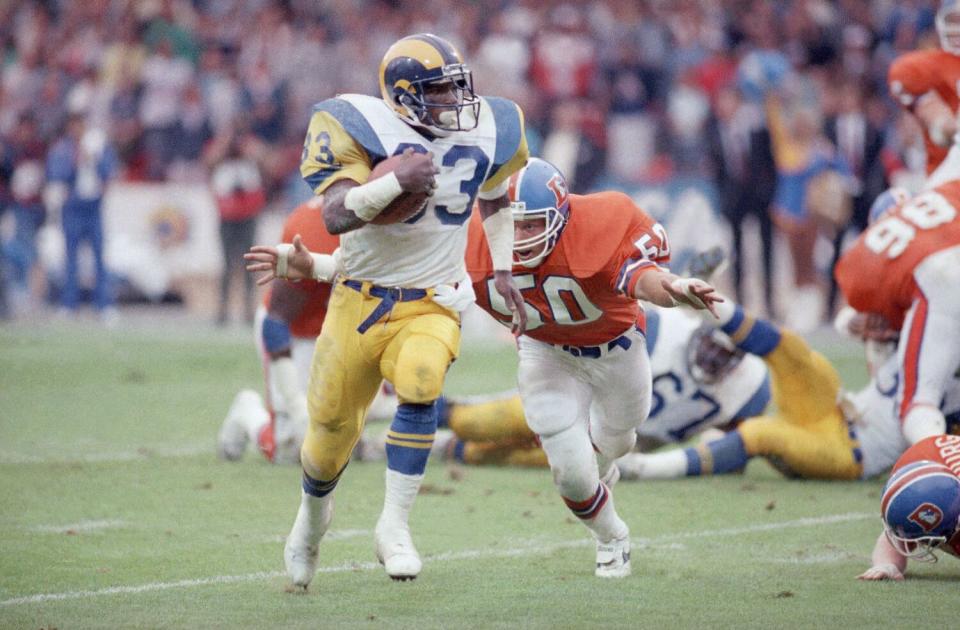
511, 152
340, 144
808, 435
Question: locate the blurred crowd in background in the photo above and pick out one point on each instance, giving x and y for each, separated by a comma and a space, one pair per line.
781, 107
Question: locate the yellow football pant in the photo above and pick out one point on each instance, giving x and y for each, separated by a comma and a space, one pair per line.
493, 420
495, 433
808, 434
412, 347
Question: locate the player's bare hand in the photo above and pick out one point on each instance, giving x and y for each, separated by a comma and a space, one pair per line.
292, 262
693, 293
881, 572
416, 172
505, 286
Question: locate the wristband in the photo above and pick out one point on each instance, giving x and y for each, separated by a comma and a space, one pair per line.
368, 200
499, 230
324, 267
284, 251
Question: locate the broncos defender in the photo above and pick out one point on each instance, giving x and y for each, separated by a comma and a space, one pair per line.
906, 267
582, 262
455, 147
920, 508
925, 83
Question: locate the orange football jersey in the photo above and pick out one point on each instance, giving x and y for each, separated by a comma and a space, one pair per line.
307, 221
581, 293
914, 74
876, 274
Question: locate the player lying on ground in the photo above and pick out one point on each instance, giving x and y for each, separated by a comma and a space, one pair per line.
699, 381
906, 267
920, 508
809, 433
399, 176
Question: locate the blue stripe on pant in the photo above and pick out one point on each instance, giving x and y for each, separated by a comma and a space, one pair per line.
410, 438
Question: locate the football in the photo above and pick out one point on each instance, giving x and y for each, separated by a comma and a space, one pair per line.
404, 206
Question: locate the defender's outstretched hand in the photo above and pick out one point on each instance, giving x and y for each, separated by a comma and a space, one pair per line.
507, 288
291, 262
882, 572
693, 293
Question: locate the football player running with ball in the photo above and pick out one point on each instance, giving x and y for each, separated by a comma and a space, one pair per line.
451, 147
582, 262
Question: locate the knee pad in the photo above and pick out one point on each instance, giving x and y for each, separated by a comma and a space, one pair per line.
573, 463
420, 369
613, 445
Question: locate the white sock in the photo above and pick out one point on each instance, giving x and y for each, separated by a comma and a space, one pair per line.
923, 421
607, 524
315, 514
725, 312
666, 465
251, 412
401, 492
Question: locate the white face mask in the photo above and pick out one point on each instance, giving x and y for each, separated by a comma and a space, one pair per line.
547, 238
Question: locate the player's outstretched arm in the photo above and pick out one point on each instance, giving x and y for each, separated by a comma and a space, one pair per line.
290, 262
888, 563
498, 226
665, 289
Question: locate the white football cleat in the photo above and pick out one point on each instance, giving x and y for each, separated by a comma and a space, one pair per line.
613, 558
302, 549
395, 550
233, 438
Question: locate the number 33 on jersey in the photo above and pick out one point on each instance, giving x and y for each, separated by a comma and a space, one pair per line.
581, 293
351, 133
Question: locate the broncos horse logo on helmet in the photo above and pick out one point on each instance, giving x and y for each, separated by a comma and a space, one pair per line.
920, 508
412, 66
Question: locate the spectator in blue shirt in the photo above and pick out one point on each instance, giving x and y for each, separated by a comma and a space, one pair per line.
78, 169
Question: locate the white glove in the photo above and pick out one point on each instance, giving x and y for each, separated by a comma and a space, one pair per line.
456, 298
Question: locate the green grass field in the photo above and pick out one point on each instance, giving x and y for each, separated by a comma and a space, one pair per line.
116, 513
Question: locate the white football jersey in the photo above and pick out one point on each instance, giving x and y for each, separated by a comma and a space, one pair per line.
876, 424
427, 249
681, 405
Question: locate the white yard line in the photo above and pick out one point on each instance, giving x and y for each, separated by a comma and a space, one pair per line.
82, 526
333, 534
528, 548
160, 452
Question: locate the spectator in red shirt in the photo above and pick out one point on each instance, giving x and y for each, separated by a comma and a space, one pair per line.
238, 188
